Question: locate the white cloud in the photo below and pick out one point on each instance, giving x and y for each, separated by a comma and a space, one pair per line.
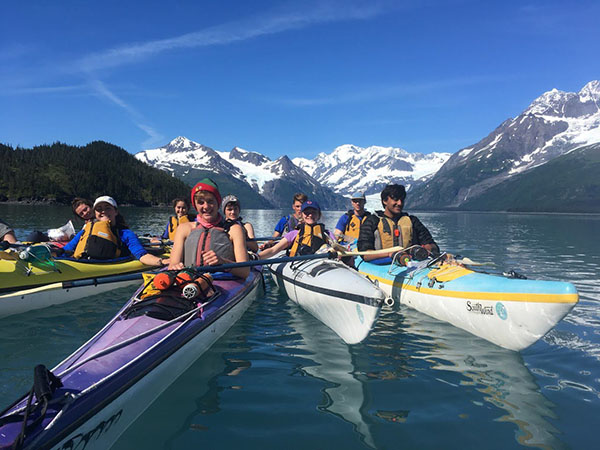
272, 23
154, 137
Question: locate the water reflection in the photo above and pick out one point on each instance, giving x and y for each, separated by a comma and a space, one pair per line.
499, 375
331, 360
179, 409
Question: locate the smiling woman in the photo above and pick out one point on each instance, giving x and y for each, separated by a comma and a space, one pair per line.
109, 237
205, 241
308, 236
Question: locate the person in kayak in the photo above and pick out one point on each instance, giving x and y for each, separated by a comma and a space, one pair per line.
290, 222
181, 206
231, 210
348, 226
308, 237
109, 237
83, 209
7, 234
205, 241
392, 227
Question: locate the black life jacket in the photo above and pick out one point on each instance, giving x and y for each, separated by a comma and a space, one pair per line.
310, 239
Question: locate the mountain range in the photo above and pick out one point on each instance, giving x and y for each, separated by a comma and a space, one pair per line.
258, 181
349, 168
328, 178
554, 125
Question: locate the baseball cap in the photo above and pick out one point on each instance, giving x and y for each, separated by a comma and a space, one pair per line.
310, 204
358, 196
105, 199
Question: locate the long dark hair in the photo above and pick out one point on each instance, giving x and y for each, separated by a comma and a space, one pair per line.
120, 222
181, 199
80, 201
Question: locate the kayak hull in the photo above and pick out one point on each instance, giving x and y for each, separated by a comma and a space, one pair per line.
335, 294
38, 298
42, 288
109, 392
512, 313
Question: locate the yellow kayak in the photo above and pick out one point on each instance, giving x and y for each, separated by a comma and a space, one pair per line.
35, 280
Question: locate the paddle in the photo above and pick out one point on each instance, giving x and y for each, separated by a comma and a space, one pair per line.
470, 262
384, 251
217, 268
265, 238
345, 252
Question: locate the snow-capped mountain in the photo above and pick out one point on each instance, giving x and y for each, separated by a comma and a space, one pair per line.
555, 123
349, 168
190, 161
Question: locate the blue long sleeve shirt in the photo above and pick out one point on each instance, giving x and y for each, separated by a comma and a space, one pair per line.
127, 236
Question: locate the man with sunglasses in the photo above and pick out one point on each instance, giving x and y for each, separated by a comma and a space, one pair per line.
348, 226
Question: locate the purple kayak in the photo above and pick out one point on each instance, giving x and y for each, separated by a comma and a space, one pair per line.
90, 398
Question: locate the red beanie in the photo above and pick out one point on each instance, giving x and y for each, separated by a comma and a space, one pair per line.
208, 185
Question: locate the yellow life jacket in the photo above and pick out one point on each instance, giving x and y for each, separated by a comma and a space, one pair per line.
98, 241
352, 229
312, 236
174, 222
392, 234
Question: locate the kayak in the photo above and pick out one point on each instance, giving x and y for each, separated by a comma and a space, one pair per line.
508, 311
335, 294
32, 282
90, 398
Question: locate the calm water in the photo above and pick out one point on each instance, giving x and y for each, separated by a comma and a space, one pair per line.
281, 379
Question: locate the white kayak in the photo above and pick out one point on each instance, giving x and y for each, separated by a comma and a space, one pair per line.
337, 295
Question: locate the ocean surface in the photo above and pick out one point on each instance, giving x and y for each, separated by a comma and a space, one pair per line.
281, 379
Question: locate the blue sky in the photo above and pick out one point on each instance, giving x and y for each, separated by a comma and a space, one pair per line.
279, 77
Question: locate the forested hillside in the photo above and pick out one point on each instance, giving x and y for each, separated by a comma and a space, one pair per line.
569, 183
59, 172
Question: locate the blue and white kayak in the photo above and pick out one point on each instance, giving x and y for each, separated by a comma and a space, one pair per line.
512, 313
337, 295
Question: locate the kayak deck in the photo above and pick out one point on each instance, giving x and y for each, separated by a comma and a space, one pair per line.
101, 378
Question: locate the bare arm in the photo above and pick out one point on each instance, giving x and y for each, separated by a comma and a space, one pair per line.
236, 234
183, 231
151, 260
281, 245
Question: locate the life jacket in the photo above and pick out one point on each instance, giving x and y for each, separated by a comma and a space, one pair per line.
311, 236
229, 223
98, 241
174, 222
202, 239
352, 229
390, 233
291, 224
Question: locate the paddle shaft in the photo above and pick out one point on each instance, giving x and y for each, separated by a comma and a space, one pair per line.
264, 262
218, 268
265, 238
